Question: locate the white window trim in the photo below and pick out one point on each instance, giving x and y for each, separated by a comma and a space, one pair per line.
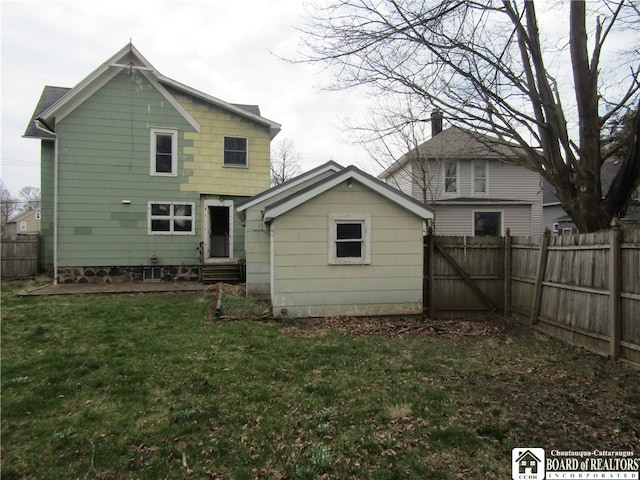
171, 218
246, 165
487, 210
174, 151
444, 177
23, 226
335, 219
486, 177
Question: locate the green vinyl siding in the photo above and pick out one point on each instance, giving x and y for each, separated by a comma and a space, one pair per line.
47, 149
104, 158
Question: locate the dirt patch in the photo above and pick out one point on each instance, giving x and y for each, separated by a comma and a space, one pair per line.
398, 327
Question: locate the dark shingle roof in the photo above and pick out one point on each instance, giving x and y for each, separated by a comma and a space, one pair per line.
50, 95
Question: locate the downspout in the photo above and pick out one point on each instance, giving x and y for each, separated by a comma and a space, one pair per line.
42, 125
55, 210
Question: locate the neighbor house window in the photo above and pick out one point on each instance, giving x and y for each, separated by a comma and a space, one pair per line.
23, 226
487, 223
171, 218
450, 177
164, 146
349, 239
479, 176
235, 152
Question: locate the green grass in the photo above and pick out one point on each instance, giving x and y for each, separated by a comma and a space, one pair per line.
138, 386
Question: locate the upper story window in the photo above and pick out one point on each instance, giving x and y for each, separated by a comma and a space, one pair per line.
349, 239
451, 177
236, 152
479, 176
171, 218
164, 146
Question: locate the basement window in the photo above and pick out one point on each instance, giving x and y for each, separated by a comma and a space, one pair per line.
349, 239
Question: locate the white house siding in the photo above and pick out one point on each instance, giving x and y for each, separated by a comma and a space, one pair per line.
458, 219
401, 179
305, 285
504, 181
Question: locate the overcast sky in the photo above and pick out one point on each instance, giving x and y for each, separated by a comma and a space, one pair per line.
225, 49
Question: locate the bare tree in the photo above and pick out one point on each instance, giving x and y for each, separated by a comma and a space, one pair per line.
30, 198
284, 163
392, 140
8, 204
489, 66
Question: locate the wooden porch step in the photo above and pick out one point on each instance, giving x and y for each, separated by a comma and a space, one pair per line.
221, 272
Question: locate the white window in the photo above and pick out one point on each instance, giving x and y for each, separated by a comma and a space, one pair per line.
235, 152
349, 239
451, 177
556, 227
164, 152
171, 218
479, 176
23, 226
487, 223
37, 215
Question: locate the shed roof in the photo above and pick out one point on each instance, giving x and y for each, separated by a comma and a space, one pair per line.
353, 173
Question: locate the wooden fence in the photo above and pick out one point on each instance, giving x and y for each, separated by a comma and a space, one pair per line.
583, 289
20, 256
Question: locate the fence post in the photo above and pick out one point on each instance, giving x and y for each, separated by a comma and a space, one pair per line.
542, 266
430, 273
507, 274
614, 290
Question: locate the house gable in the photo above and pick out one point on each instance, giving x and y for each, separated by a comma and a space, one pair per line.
349, 174
127, 59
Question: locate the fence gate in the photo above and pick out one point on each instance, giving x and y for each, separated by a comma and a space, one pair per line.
463, 274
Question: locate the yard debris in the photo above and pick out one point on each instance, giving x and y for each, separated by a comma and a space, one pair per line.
397, 327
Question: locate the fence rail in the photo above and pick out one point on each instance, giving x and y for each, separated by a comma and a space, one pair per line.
583, 289
20, 256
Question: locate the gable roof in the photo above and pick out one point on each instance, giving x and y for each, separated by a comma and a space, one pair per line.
50, 95
281, 207
22, 215
330, 166
456, 143
56, 104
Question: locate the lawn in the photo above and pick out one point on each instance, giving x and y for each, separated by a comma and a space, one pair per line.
141, 386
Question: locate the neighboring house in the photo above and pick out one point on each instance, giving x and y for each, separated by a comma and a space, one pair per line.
474, 189
557, 220
140, 174
336, 241
24, 223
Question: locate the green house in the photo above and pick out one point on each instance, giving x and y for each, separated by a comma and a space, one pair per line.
140, 175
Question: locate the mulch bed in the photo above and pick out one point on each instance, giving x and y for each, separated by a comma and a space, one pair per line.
399, 327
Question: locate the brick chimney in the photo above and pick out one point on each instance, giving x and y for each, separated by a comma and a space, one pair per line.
436, 122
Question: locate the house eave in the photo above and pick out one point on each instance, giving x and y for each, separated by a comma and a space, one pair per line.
274, 127
281, 207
